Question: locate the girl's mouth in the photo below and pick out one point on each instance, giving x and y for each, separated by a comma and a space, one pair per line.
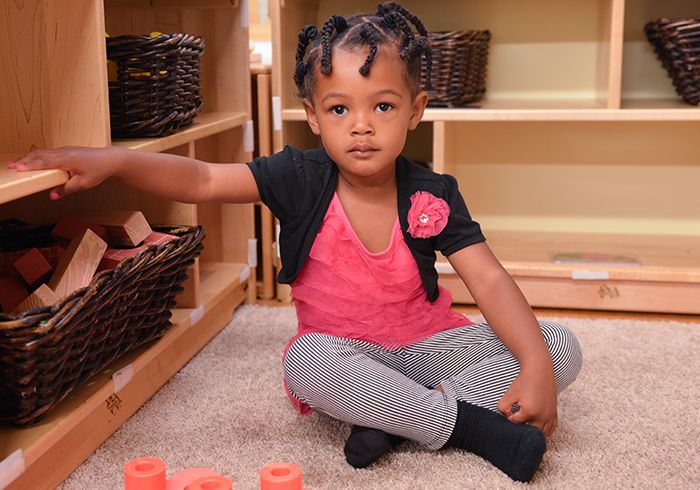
362, 150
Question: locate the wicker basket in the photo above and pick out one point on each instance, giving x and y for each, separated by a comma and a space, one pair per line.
677, 45
156, 90
459, 67
47, 352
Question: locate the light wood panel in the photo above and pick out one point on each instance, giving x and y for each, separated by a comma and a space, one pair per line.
48, 105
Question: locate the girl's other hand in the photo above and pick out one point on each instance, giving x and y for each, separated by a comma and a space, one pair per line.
532, 399
86, 167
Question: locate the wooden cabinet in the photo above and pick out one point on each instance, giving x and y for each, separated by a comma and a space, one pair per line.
54, 93
580, 145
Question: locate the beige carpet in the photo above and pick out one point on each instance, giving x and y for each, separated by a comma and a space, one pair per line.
631, 420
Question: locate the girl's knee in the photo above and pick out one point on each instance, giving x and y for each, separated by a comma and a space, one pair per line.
300, 354
565, 350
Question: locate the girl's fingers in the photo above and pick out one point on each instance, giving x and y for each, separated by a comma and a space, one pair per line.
31, 163
56, 193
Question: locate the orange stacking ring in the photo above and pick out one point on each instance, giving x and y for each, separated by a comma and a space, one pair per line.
144, 474
210, 483
280, 476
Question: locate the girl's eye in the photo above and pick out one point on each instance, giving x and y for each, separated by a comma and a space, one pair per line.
339, 110
384, 107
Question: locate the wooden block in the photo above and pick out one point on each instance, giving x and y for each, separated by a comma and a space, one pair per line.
113, 256
126, 228
78, 264
33, 267
12, 293
43, 296
69, 227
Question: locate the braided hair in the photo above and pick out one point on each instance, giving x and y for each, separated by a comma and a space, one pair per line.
391, 25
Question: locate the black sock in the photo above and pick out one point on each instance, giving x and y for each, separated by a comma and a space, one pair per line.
365, 446
515, 449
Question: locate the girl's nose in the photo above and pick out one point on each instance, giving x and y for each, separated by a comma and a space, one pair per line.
362, 126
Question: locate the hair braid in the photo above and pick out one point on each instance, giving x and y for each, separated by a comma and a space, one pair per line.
395, 7
335, 23
414, 46
307, 35
367, 33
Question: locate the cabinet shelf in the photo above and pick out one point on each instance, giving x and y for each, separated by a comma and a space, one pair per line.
15, 185
205, 124
51, 449
666, 279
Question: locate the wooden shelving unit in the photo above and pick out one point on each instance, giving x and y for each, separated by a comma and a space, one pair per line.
55, 58
580, 145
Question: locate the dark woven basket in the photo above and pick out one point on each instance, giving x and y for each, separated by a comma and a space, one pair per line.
156, 91
459, 67
47, 352
677, 44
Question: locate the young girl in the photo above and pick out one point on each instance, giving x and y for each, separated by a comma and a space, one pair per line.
378, 345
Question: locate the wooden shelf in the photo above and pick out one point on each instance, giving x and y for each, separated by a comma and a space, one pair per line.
667, 278
15, 185
205, 124
51, 450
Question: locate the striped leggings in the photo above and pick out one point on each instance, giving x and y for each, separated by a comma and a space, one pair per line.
365, 384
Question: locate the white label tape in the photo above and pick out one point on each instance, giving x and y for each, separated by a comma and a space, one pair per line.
245, 15
248, 137
253, 252
444, 268
245, 274
277, 240
196, 315
276, 113
590, 275
11, 467
122, 377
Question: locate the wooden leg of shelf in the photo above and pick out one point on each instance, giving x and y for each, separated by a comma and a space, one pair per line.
252, 291
268, 266
189, 298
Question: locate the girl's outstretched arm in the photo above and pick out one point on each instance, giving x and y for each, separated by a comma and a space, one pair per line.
170, 176
511, 318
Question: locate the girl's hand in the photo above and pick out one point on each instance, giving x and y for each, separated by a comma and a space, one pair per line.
533, 393
86, 167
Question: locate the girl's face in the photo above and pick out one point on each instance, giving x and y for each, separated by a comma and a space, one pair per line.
363, 121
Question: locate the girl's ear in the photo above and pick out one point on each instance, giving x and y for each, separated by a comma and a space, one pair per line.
311, 116
417, 109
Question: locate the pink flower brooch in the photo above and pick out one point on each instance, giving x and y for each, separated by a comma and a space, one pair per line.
427, 216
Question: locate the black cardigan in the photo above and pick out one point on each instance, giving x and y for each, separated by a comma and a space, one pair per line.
298, 187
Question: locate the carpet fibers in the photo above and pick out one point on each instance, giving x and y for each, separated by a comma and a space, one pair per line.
631, 420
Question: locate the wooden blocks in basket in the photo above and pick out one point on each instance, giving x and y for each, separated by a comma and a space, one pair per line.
42, 276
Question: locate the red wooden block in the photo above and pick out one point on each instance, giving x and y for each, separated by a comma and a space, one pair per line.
12, 293
33, 267
69, 227
113, 256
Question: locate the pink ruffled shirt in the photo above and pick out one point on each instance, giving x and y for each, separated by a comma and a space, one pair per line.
347, 291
